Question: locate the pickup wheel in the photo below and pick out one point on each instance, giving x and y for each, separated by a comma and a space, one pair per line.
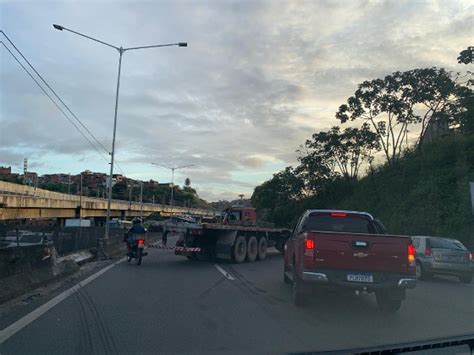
252, 249
466, 279
386, 304
286, 279
239, 251
299, 297
262, 249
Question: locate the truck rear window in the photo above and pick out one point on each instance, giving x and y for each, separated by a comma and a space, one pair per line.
348, 224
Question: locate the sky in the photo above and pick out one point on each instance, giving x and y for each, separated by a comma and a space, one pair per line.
257, 79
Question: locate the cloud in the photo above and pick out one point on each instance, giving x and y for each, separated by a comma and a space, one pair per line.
257, 79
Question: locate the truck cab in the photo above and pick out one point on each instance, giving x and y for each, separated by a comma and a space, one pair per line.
239, 215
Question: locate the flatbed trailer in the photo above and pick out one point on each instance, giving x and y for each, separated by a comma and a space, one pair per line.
237, 243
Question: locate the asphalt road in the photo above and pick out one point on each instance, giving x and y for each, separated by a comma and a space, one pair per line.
172, 305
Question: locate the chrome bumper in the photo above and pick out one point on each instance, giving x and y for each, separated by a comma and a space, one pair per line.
407, 283
315, 277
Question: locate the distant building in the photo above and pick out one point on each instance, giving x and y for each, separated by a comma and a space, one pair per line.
151, 184
435, 129
55, 179
5, 171
91, 180
30, 177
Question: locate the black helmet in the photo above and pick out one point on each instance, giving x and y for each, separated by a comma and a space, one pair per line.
136, 220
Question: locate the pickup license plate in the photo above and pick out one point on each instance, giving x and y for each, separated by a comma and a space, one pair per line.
353, 277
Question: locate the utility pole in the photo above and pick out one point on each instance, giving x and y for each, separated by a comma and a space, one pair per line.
80, 204
25, 169
141, 200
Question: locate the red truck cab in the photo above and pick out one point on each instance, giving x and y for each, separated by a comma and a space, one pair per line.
348, 250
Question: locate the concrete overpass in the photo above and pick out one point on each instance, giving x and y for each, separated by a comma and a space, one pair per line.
21, 201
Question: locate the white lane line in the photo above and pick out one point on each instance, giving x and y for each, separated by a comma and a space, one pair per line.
14, 328
225, 273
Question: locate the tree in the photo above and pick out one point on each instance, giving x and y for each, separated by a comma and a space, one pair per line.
277, 199
283, 187
466, 56
334, 152
462, 117
390, 105
187, 182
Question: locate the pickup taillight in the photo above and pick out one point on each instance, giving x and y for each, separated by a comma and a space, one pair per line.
309, 246
411, 255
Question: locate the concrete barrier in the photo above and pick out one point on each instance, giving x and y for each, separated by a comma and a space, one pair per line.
24, 268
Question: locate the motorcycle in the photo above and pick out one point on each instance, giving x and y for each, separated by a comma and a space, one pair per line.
137, 251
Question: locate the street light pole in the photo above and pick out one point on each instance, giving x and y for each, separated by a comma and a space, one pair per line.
120, 50
172, 179
172, 189
112, 155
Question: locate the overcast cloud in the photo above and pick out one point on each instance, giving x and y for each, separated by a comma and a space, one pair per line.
257, 79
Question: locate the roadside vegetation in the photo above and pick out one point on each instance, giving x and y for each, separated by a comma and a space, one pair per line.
420, 126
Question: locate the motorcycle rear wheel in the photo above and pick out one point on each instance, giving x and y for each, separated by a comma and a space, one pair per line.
138, 256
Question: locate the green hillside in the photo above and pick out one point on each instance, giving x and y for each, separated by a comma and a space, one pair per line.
425, 193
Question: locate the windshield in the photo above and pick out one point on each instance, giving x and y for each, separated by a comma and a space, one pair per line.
235, 176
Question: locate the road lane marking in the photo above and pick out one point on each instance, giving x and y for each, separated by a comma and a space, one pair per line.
14, 328
225, 273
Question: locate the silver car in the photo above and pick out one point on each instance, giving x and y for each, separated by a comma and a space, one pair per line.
442, 256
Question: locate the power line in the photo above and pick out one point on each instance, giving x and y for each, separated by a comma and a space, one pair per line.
54, 93
57, 96
54, 102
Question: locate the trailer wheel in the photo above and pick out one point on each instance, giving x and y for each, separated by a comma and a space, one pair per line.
262, 249
252, 249
240, 249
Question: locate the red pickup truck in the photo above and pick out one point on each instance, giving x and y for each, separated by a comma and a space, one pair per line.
349, 249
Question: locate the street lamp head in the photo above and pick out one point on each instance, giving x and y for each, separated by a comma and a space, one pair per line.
58, 27
183, 44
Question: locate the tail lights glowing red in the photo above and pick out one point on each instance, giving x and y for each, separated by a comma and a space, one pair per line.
309, 244
338, 214
471, 256
141, 241
428, 252
411, 253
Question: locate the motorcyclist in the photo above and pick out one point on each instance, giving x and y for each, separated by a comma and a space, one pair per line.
136, 228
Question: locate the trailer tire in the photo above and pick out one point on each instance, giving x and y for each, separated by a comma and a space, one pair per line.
252, 249
262, 248
239, 250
